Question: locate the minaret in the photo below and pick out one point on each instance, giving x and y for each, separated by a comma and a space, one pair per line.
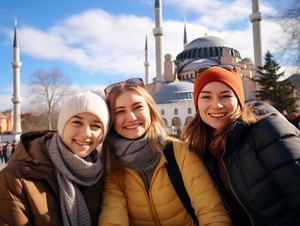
16, 64
256, 18
158, 34
184, 36
147, 63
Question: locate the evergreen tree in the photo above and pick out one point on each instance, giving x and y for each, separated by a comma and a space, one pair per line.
277, 93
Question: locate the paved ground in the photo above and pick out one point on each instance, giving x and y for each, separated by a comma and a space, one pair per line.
2, 165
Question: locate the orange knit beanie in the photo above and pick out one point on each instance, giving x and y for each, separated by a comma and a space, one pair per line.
218, 74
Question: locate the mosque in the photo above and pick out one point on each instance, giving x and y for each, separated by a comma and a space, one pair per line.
173, 85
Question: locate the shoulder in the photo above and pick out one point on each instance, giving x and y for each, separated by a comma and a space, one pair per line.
260, 108
183, 155
11, 178
271, 128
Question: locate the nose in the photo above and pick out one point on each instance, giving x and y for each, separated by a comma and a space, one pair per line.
217, 103
86, 131
131, 116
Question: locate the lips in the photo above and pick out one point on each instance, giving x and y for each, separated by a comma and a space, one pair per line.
133, 126
219, 115
82, 143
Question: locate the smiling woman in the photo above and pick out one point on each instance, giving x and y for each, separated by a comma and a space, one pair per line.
138, 189
62, 166
250, 149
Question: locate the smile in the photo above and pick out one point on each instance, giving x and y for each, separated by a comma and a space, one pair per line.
133, 126
218, 115
82, 143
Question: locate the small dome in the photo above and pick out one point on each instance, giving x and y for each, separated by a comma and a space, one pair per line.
175, 92
247, 59
195, 64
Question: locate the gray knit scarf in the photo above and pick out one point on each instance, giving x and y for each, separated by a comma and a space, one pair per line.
72, 171
136, 154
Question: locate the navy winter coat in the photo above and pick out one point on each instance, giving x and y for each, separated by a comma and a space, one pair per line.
262, 162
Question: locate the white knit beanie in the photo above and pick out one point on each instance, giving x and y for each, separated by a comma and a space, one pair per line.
80, 103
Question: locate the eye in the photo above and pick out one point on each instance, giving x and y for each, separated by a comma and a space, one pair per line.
76, 123
96, 126
204, 97
139, 106
119, 112
228, 96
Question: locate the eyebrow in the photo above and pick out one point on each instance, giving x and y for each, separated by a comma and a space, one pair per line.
225, 91
134, 104
79, 117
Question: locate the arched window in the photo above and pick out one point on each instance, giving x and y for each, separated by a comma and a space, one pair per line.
165, 120
162, 112
189, 111
175, 111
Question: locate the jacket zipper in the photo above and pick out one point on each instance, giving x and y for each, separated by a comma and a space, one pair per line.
222, 160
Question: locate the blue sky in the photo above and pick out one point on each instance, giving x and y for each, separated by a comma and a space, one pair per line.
98, 42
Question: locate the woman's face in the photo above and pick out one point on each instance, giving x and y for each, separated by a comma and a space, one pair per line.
215, 101
132, 115
83, 133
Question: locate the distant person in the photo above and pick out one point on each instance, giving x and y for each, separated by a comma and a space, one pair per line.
54, 178
137, 188
295, 118
251, 151
13, 147
285, 114
5, 152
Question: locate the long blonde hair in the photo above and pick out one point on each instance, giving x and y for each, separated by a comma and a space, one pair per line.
154, 131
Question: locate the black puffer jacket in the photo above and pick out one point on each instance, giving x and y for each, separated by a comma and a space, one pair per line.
262, 162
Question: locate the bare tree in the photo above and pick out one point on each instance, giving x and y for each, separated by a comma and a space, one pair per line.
49, 90
289, 20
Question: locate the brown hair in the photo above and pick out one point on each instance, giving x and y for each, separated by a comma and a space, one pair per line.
200, 137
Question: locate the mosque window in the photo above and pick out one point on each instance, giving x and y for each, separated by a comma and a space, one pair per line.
162, 112
197, 53
202, 53
175, 111
214, 52
206, 52
189, 111
166, 122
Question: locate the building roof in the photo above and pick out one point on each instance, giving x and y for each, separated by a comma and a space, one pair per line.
206, 41
173, 92
206, 47
295, 79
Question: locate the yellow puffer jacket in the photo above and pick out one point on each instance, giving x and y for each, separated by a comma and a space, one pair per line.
127, 202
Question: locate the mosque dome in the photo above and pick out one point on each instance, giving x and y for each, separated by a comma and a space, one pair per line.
247, 59
206, 47
175, 92
206, 41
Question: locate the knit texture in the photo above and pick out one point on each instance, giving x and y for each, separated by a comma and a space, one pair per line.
72, 171
80, 103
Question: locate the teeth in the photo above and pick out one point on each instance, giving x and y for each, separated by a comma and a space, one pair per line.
132, 126
217, 115
82, 143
